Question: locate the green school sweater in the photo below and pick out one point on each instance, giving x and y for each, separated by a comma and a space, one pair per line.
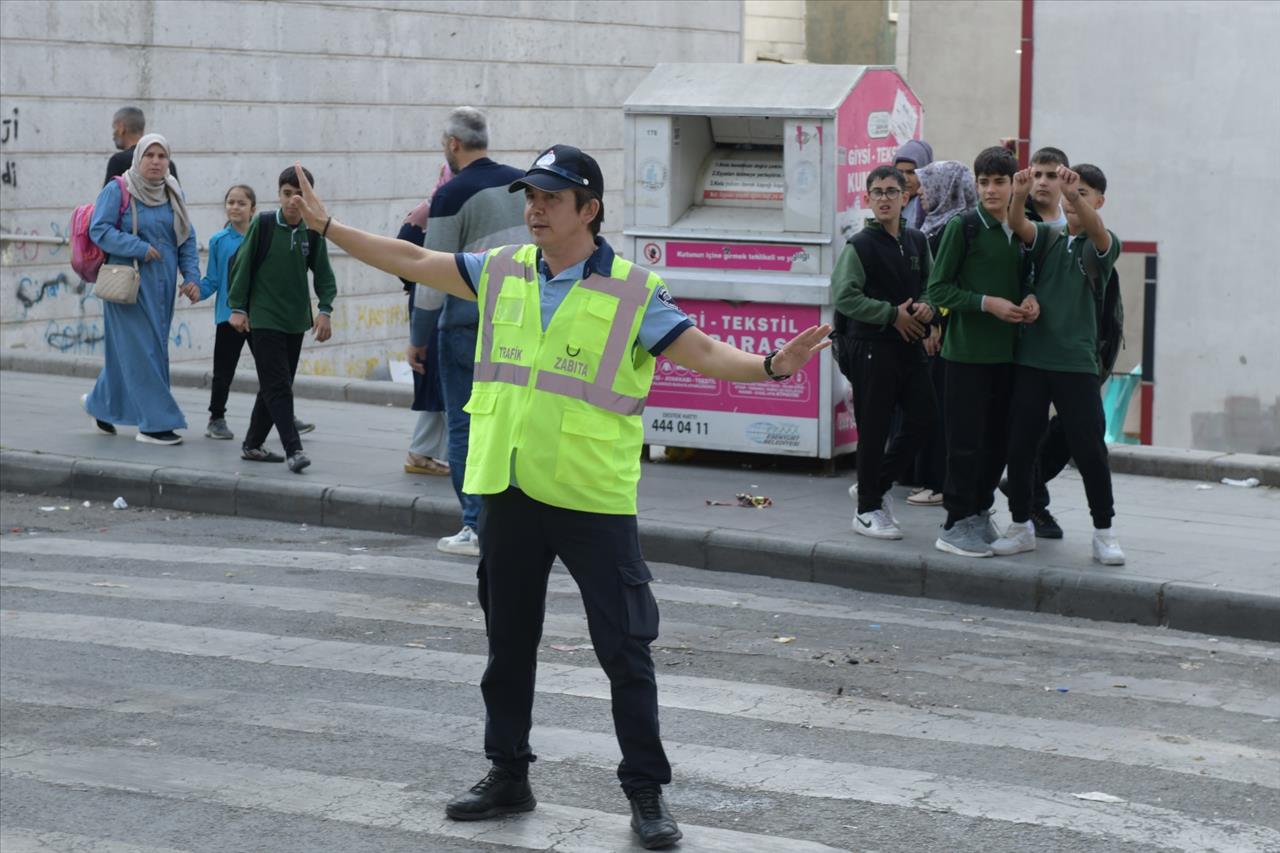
279, 297
1065, 337
959, 280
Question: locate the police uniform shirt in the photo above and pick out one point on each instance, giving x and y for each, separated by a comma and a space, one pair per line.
663, 321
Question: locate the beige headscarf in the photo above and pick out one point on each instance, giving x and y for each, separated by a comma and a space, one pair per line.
155, 193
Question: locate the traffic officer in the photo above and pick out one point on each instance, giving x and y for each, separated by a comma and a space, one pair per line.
568, 336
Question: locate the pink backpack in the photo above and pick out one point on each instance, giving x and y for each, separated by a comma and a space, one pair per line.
86, 257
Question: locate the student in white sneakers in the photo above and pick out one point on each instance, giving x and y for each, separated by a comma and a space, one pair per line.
1056, 361
881, 319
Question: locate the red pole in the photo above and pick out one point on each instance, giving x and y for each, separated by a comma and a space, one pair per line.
1024, 84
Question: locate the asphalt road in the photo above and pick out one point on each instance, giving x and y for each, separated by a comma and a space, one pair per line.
172, 682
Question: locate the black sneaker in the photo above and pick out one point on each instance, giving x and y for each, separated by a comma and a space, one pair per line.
651, 820
1046, 525
166, 437
259, 454
499, 792
298, 461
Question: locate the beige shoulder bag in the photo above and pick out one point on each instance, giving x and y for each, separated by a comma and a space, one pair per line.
119, 282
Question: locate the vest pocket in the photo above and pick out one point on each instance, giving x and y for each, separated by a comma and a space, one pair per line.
588, 447
481, 403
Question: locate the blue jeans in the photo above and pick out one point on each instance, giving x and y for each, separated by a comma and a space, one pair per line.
457, 361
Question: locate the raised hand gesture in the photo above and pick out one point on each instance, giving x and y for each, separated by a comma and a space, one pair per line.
795, 354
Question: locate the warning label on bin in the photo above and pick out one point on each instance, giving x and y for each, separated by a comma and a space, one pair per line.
740, 256
744, 180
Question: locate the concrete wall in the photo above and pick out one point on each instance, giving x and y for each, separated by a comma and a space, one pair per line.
358, 91
1185, 129
849, 32
773, 30
961, 59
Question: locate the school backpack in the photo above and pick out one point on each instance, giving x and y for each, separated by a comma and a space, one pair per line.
266, 230
86, 256
1110, 313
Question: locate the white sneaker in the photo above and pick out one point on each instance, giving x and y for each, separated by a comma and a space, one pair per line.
464, 543
1021, 536
886, 504
876, 524
1106, 548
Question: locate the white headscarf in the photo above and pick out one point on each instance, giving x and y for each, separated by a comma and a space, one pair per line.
156, 193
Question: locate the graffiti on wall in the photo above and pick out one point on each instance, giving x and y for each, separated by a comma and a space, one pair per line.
9, 132
81, 338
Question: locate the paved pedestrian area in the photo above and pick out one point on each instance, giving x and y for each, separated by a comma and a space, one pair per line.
1208, 536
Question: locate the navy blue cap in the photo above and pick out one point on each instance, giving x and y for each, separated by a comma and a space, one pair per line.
561, 167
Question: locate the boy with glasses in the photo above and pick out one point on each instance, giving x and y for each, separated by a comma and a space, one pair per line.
876, 288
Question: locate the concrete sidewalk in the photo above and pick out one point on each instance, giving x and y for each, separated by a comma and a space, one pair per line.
1201, 559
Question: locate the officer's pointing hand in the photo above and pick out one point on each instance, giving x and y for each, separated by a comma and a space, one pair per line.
313, 212
792, 358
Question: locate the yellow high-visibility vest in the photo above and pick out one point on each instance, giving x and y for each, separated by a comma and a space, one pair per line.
567, 402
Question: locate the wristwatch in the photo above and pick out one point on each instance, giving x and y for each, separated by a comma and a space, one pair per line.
768, 369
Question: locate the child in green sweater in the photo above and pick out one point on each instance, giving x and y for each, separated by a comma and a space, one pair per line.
270, 300
977, 276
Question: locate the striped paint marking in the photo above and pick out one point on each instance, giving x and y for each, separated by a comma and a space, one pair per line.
360, 801
675, 635
445, 571
17, 839
1131, 822
1135, 747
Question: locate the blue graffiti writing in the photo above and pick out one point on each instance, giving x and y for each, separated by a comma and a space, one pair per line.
182, 336
59, 230
80, 337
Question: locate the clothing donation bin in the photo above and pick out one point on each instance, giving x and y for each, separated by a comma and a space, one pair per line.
743, 182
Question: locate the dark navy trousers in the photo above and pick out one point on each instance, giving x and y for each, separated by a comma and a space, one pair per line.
519, 539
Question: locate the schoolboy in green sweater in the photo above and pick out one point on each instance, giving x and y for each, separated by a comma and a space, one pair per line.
980, 281
273, 304
1057, 358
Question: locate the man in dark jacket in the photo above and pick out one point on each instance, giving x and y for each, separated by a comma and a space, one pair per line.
877, 288
128, 125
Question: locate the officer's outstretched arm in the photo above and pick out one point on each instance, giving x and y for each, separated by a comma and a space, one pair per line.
696, 351
398, 257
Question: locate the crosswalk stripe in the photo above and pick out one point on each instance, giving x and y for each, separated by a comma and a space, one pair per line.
1135, 822
675, 635
1139, 748
445, 571
17, 839
361, 801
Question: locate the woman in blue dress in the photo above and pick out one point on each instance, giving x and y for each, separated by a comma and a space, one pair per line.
133, 387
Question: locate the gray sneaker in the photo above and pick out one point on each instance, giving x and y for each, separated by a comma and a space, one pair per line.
303, 427
217, 428
987, 525
965, 538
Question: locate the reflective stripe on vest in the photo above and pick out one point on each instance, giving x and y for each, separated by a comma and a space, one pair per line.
631, 293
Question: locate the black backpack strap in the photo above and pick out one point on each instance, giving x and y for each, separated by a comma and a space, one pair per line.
313, 245
266, 230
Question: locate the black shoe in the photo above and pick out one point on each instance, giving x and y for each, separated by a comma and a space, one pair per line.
1046, 525
498, 793
167, 437
652, 821
259, 454
303, 427
104, 427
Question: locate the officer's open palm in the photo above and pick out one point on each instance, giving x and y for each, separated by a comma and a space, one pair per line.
795, 354
313, 212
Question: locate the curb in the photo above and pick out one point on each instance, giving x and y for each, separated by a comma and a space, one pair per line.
1169, 462
992, 583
